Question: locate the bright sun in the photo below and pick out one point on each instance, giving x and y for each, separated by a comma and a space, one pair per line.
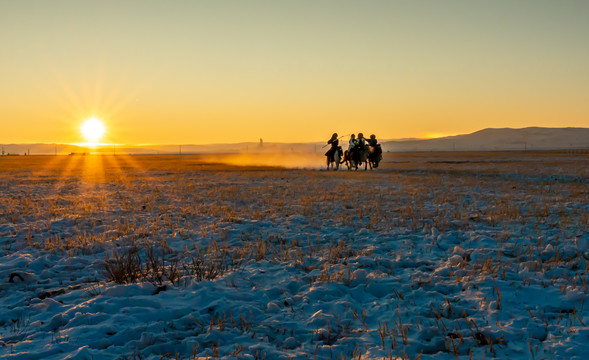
92, 129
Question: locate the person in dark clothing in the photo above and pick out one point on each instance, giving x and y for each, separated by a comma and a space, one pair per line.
334, 145
361, 141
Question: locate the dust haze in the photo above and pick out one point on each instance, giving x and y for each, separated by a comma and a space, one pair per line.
284, 160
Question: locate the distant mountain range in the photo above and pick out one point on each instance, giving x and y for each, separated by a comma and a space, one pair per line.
506, 139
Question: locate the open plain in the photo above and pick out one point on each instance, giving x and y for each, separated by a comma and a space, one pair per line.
431, 256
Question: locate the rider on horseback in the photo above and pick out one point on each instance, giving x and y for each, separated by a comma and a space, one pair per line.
334, 147
376, 152
361, 141
353, 142
374, 143
356, 151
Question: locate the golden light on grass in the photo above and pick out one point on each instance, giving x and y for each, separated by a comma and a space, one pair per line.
93, 130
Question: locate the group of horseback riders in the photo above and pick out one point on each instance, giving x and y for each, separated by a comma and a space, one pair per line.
360, 150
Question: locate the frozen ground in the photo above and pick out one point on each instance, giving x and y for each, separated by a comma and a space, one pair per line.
433, 256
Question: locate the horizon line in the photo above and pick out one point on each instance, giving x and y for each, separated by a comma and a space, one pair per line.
99, 144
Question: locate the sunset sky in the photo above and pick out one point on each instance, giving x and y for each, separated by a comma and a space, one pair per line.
290, 71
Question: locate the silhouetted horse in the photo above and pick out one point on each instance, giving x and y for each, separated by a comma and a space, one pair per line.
374, 156
356, 157
334, 160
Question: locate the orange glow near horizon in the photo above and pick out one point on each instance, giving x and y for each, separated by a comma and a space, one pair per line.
432, 135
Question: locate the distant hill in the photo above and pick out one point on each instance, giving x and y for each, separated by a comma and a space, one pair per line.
506, 139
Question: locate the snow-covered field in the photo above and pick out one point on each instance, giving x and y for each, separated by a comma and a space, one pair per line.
433, 256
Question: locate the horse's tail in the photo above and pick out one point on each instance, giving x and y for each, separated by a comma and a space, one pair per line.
345, 157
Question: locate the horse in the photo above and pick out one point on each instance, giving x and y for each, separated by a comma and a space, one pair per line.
334, 160
347, 159
356, 157
374, 156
